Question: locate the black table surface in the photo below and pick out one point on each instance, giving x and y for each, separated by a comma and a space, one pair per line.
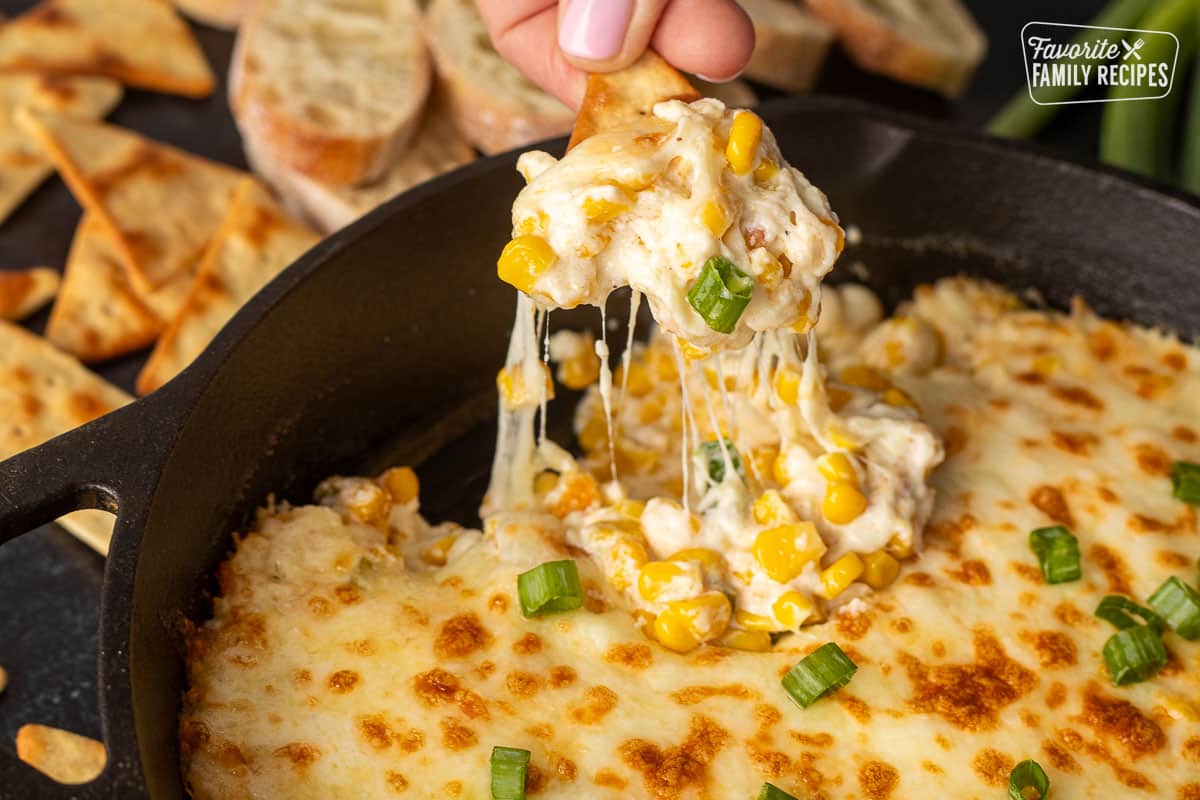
50, 583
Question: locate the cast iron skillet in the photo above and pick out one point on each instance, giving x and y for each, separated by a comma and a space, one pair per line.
381, 345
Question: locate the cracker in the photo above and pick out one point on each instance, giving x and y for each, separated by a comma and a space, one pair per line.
621, 99
23, 165
256, 241
24, 291
99, 314
64, 756
142, 43
160, 205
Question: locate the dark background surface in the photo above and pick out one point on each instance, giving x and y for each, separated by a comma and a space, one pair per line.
50, 583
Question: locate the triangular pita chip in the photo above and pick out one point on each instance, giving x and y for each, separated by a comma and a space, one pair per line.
24, 291
23, 164
160, 205
255, 243
142, 43
620, 99
99, 314
64, 756
43, 393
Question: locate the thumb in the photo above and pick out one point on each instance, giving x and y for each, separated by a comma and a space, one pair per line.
606, 35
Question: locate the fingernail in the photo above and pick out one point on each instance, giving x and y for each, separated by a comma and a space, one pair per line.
594, 29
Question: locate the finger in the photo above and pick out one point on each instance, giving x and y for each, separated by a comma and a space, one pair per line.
710, 38
606, 35
524, 32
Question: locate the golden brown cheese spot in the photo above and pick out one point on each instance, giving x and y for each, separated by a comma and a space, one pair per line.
854, 706
919, 578
543, 732
1129, 777
1113, 567
938, 648
1185, 434
901, 624
320, 606
972, 572
1050, 501
528, 644
1120, 719
395, 781
1056, 695
1059, 758
1172, 559
769, 763
498, 603
561, 676
343, 681
1152, 460
969, 696
598, 702
692, 695
954, 439
457, 736
435, 686
1077, 396
878, 779
565, 768
1188, 791
414, 615
1054, 648
1077, 444
672, 772
1069, 614
485, 669
992, 766
348, 594
1027, 571
523, 684
634, 656
1175, 359
932, 768
1191, 749
817, 740
375, 731
853, 626
1107, 495
609, 780
461, 636
360, 647
412, 741
453, 788
300, 754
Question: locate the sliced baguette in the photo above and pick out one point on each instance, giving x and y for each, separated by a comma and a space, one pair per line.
437, 147
223, 14
930, 43
791, 44
493, 104
334, 89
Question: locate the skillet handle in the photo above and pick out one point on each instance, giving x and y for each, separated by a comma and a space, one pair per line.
111, 464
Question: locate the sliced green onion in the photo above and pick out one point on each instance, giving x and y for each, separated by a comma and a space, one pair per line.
509, 765
822, 671
1185, 482
721, 294
1179, 606
550, 588
1028, 781
1057, 551
1134, 654
771, 792
710, 456
1118, 610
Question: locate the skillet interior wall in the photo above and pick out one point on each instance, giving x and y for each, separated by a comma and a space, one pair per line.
401, 319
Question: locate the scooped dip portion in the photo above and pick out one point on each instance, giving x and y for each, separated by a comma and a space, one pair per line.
696, 209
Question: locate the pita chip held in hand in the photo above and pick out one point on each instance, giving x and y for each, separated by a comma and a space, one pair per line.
24, 291
141, 43
623, 99
64, 756
159, 204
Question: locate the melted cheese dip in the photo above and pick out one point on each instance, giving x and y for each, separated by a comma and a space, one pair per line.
355, 651
647, 208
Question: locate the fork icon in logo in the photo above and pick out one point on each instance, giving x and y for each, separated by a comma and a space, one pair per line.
1132, 50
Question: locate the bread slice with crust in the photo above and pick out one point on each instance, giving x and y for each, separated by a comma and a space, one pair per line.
493, 104
437, 147
334, 90
931, 43
791, 44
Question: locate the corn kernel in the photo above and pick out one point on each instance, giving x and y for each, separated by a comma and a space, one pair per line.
601, 210
545, 482
843, 503
841, 439
437, 553
630, 508
709, 613
672, 631
523, 260
515, 392
638, 460
838, 398
837, 467
771, 509
744, 137
651, 411
880, 569
898, 548
762, 460
787, 385
655, 576
691, 352
594, 436
575, 492
628, 556
639, 382
529, 226
751, 641
864, 377
783, 551
765, 170
779, 470
714, 218
793, 608
401, 483
579, 372
706, 558
898, 397
840, 574
754, 622
803, 324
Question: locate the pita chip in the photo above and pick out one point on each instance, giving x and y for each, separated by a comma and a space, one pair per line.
141, 43
23, 164
24, 291
224, 14
43, 393
255, 243
621, 99
64, 756
159, 204
99, 314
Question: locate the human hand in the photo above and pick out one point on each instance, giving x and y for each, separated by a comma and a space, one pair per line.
557, 43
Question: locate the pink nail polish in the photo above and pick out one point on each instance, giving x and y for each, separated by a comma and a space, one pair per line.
594, 29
